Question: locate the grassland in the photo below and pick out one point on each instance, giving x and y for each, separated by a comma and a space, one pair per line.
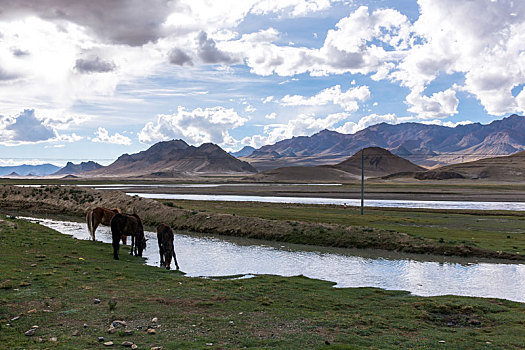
409, 232
492, 230
51, 280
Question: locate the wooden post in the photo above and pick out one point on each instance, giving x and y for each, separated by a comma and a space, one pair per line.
362, 180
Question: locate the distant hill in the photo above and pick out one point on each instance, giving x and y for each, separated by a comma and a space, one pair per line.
507, 168
29, 170
377, 162
427, 145
71, 168
245, 151
175, 157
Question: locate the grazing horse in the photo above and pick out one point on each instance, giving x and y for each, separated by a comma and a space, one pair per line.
98, 216
166, 249
128, 225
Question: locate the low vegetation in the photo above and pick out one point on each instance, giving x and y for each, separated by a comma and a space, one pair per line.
492, 230
74, 292
315, 230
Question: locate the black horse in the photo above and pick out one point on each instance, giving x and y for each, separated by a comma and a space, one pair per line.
128, 225
166, 249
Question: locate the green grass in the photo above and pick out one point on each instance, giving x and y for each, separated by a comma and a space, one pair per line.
50, 280
499, 231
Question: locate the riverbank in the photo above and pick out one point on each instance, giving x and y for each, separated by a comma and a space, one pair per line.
53, 281
75, 201
452, 190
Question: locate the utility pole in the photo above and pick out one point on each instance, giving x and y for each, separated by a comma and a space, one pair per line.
362, 180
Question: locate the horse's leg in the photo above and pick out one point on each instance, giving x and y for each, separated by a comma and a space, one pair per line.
88, 221
174, 256
95, 224
115, 243
124, 239
161, 252
132, 244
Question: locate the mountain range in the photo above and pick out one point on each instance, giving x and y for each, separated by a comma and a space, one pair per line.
426, 145
173, 159
71, 168
28, 170
376, 161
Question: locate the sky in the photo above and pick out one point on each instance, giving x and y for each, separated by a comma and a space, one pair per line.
91, 80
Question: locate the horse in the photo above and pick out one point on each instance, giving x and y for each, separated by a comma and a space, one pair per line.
128, 225
166, 249
103, 216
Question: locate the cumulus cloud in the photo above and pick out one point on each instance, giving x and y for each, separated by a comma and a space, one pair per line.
195, 127
303, 125
27, 128
94, 65
179, 57
5, 75
348, 100
439, 105
102, 136
209, 53
364, 122
132, 22
17, 52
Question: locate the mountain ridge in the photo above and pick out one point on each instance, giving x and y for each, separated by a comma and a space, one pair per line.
425, 145
173, 158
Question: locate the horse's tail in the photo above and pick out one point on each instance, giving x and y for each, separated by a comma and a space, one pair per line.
90, 224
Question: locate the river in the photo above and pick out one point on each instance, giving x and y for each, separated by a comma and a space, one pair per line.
381, 203
207, 257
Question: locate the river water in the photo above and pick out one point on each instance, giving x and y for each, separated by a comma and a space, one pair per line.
207, 257
382, 203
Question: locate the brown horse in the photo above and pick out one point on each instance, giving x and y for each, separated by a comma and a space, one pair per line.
128, 225
103, 216
166, 250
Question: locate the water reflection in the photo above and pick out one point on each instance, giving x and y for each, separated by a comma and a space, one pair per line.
206, 256
382, 203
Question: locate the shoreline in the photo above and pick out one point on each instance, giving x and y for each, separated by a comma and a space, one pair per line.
75, 202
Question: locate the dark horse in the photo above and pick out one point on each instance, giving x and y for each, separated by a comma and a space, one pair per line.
128, 225
166, 249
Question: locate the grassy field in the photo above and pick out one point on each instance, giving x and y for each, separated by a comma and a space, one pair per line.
469, 234
51, 280
499, 231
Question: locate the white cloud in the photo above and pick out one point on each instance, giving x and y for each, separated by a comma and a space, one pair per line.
27, 128
249, 108
439, 105
303, 125
348, 100
364, 122
268, 99
102, 136
271, 116
195, 127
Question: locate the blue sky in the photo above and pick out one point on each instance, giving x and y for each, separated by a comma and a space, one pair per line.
92, 80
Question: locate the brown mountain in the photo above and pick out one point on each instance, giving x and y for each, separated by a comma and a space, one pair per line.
173, 158
71, 168
507, 168
377, 162
428, 145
